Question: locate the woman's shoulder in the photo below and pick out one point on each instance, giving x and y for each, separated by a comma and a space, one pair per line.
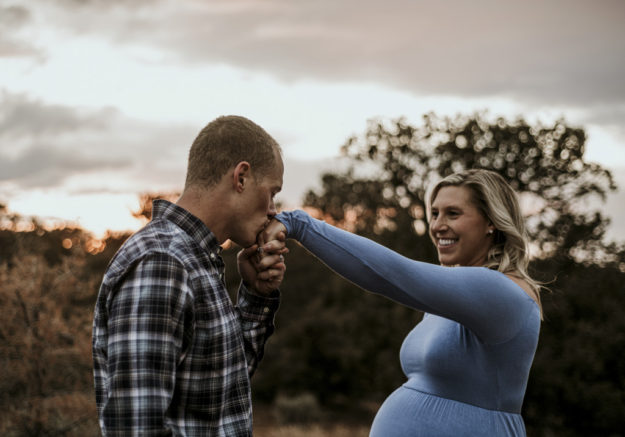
524, 285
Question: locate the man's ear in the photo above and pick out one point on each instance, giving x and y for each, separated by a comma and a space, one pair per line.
241, 175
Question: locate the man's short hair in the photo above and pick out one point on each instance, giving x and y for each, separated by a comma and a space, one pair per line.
223, 143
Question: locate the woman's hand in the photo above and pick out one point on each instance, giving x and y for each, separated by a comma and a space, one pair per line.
274, 231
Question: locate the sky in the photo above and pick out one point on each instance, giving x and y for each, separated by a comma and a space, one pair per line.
101, 99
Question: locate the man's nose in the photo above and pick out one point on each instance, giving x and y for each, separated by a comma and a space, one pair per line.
272, 210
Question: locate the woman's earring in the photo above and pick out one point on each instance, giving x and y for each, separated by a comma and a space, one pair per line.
490, 231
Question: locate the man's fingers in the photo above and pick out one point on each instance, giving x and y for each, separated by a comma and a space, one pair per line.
268, 261
274, 246
271, 274
249, 251
250, 255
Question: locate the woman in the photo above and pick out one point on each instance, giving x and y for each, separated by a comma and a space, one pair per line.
468, 360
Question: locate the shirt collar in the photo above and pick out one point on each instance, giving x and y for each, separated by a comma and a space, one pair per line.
165, 210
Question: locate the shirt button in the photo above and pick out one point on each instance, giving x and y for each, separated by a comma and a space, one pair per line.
266, 310
212, 256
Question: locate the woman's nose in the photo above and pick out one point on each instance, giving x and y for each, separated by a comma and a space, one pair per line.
438, 224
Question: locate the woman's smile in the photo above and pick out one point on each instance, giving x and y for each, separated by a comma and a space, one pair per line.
445, 243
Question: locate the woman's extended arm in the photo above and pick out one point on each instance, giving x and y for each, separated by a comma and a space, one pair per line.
483, 300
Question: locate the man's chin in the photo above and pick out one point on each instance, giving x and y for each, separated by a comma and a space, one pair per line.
244, 243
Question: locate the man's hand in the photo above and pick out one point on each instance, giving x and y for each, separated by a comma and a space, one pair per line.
263, 270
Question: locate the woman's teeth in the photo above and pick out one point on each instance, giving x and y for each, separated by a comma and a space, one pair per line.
446, 242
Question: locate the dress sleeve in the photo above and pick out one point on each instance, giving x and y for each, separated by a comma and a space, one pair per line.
483, 300
146, 323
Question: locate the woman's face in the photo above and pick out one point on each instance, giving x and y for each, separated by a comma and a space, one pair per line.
458, 229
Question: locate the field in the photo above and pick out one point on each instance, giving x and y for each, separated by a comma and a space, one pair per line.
311, 431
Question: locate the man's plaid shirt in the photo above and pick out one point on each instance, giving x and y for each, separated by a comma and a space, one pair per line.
172, 355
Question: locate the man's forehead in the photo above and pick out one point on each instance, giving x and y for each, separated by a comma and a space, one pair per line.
277, 182
279, 168
273, 178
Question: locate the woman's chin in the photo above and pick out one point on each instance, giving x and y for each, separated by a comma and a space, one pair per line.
447, 260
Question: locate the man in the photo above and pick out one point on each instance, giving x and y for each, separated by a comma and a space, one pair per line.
172, 355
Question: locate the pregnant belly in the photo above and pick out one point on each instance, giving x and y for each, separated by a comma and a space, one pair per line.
411, 413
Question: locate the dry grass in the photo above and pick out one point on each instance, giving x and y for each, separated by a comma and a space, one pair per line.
311, 431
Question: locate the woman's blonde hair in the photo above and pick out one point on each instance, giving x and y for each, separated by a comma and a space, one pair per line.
498, 202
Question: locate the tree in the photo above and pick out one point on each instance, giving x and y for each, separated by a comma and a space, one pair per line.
46, 386
577, 382
544, 164
144, 213
48, 285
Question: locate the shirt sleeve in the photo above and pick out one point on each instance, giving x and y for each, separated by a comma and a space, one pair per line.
146, 323
257, 323
483, 300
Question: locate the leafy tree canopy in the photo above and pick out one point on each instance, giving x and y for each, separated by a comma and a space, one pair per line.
394, 163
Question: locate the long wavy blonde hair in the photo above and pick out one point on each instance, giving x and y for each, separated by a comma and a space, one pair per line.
498, 202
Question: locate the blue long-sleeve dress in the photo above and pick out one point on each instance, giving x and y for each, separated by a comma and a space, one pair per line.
467, 362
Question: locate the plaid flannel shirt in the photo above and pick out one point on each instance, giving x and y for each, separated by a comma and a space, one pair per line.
172, 354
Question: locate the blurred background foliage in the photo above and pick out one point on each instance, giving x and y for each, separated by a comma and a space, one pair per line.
334, 356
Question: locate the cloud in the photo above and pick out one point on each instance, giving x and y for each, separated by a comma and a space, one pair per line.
23, 116
612, 116
12, 17
42, 166
561, 52
303, 176
41, 144
85, 150
46, 145
12, 45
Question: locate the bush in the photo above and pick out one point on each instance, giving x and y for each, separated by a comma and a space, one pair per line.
301, 408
